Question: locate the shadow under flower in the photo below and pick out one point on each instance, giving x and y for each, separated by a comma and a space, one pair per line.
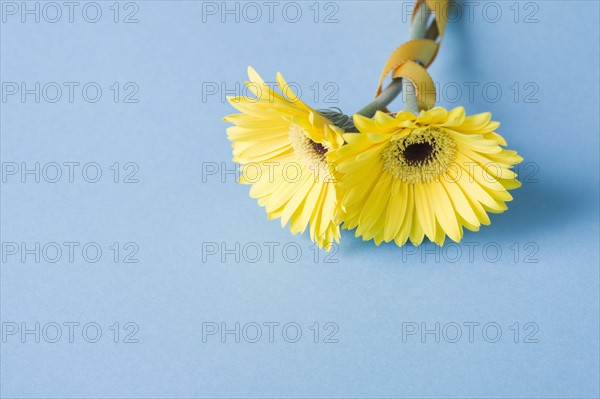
462, 50
536, 208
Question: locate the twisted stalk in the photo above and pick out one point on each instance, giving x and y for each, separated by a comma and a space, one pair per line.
419, 30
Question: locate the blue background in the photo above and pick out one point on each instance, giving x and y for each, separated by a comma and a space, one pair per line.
171, 54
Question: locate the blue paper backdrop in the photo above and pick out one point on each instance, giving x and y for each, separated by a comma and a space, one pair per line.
141, 103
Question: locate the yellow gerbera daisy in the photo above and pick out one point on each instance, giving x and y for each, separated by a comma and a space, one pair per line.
284, 146
406, 176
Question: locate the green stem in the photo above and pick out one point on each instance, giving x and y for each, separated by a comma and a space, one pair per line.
383, 99
419, 30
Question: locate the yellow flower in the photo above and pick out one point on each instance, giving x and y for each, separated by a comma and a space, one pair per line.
406, 176
283, 146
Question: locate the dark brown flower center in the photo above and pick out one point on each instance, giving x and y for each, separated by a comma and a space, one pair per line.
318, 148
421, 156
418, 153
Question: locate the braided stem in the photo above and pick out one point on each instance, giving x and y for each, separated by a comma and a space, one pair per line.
419, 30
